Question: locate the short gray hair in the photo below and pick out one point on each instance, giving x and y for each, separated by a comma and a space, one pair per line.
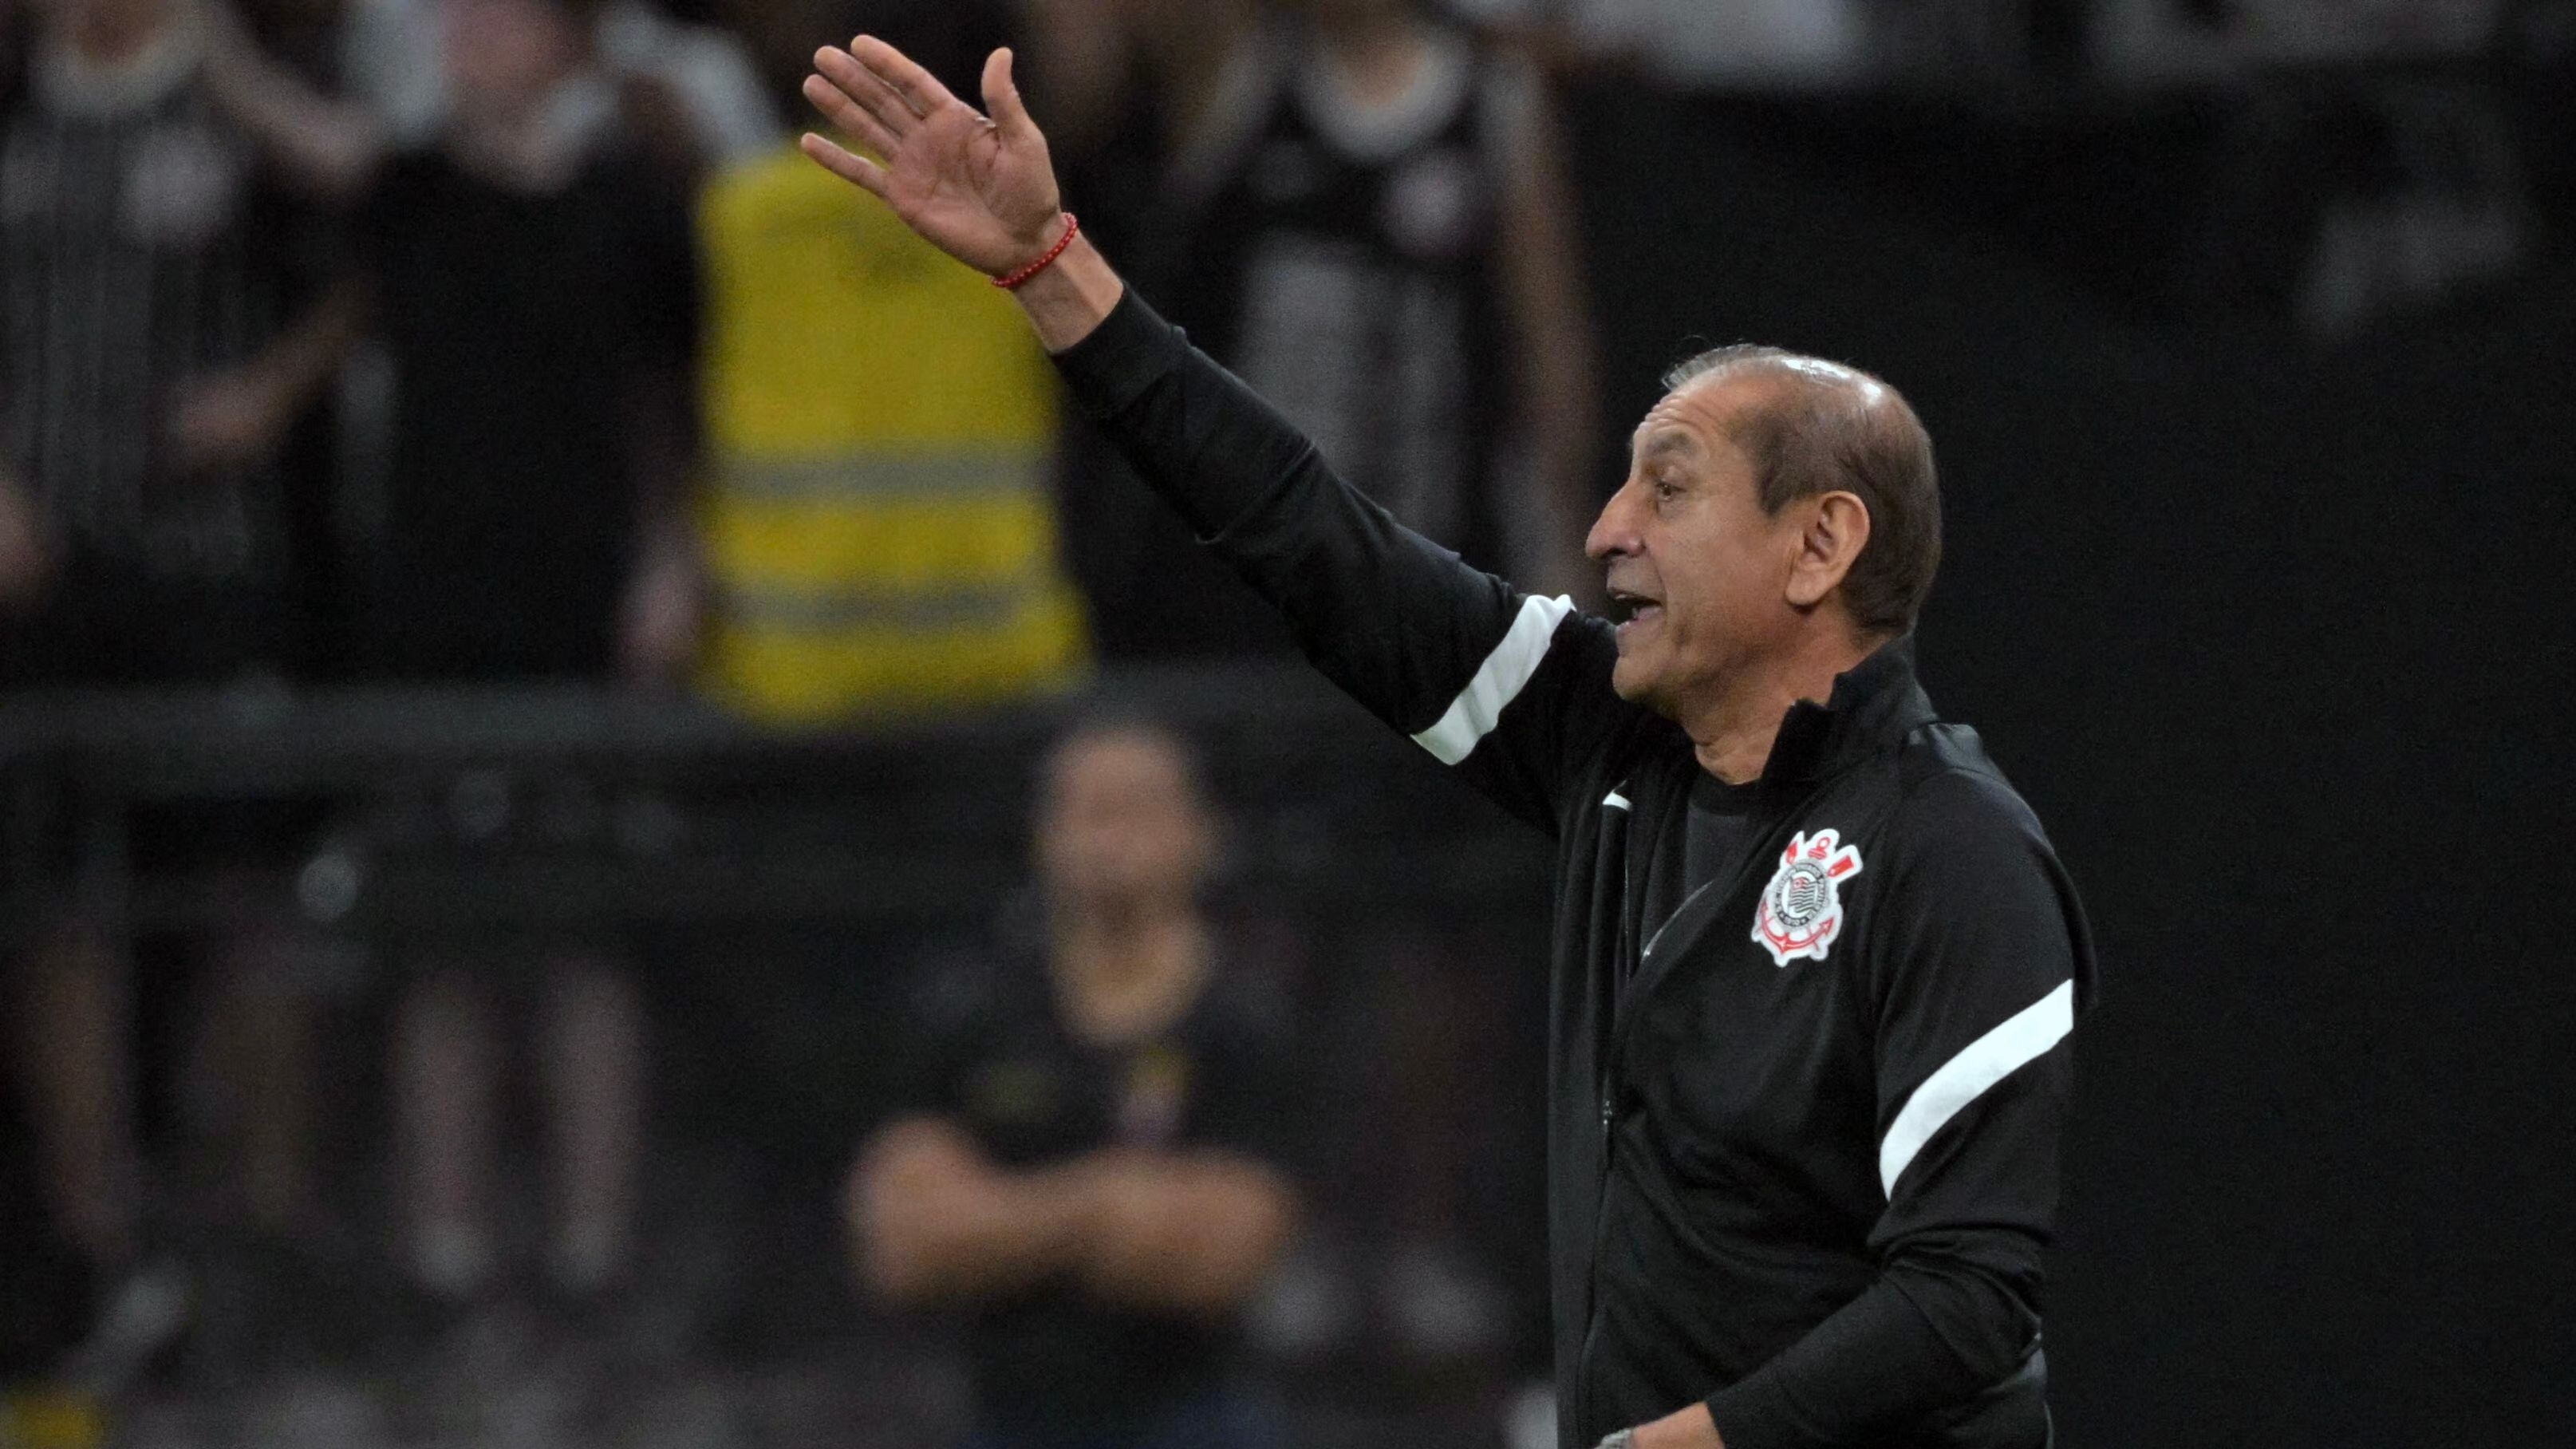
1837, 427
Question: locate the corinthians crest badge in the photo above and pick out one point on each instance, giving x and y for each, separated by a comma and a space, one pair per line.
1802, 908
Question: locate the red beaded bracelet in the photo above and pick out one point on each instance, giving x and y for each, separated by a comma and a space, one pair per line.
1020, 278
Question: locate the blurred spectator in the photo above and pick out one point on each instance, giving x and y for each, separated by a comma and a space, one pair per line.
535, 283
952, 36
149, 369
145, 371
877, 530
535, 288
694, 85
1127, 86
1352, 179
1090, 1161
703, 74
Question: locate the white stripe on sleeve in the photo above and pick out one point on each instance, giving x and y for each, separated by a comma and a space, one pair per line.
1498, 681
1964, 1078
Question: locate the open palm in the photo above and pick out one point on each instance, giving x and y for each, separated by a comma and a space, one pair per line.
982, 190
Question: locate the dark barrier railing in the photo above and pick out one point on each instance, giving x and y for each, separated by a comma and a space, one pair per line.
554, 805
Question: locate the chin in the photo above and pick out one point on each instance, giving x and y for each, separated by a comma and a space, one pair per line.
1630, 681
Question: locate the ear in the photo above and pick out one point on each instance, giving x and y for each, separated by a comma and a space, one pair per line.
1829, 543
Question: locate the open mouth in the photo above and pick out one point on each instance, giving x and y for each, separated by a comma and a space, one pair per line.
1628, 608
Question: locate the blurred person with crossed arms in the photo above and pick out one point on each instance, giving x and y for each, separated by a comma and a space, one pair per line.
1087, 1160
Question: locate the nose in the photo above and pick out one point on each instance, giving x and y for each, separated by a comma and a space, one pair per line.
1614, 533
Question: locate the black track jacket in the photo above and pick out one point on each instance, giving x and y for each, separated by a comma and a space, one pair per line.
1803, 1123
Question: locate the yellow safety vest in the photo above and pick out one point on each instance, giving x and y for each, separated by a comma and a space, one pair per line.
880, 427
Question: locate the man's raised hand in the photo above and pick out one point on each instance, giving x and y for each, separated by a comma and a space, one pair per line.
982, 190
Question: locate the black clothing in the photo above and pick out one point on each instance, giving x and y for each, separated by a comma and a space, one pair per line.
1720, 828
995, 1058
526, 330
41, 1316
105, 622
1344, 265
1804, 1116
139, 255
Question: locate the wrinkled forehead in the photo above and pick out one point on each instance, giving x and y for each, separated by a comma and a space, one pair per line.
1708, 409
1697, 418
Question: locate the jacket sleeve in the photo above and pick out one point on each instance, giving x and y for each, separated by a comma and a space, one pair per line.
1980, 953
1512, 689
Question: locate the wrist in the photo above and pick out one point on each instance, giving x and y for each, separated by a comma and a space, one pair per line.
1062, 1205
1051, 242
1068, 299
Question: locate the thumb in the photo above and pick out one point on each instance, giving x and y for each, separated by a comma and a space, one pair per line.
1002, 98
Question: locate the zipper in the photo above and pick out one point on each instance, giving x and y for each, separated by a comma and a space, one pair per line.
1772, 824
1688, 901
1618, 983
1616, 1037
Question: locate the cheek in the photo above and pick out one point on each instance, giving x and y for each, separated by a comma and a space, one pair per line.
1722, 590
1748, 586
1753, 561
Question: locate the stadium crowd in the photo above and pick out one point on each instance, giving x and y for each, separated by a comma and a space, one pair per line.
485, 342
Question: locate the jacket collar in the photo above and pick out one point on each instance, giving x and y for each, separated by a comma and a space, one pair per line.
1874, 705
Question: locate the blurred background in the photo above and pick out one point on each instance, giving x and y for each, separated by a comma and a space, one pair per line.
536, 628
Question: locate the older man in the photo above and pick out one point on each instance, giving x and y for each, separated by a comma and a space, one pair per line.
1815, 961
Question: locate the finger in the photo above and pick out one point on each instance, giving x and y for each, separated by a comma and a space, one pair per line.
867, 90
919, 88
1002, 97
853, 118
858, 171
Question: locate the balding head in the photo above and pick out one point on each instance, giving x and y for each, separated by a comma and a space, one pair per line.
1818, 427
